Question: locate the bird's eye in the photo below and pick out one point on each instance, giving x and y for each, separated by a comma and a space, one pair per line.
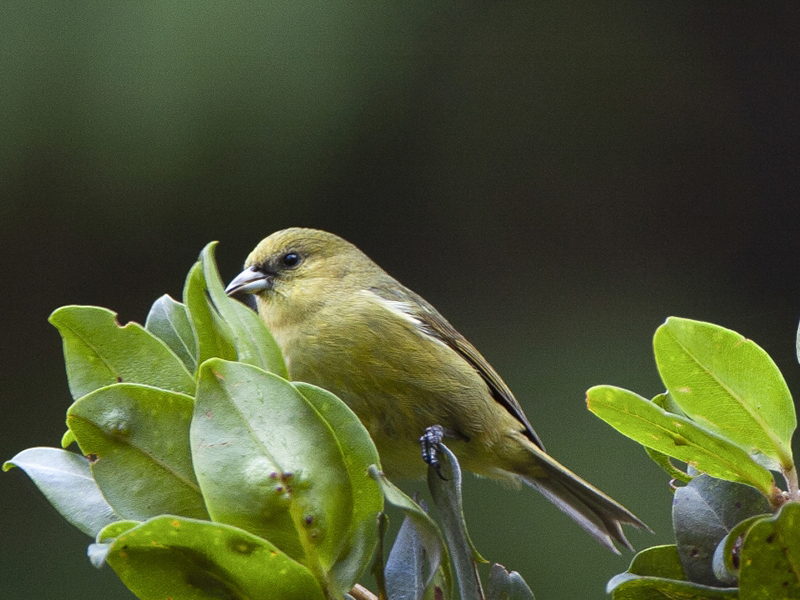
291, 259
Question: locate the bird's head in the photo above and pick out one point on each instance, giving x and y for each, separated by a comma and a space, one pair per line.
302, 265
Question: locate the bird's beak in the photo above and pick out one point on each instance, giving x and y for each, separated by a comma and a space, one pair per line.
249, 281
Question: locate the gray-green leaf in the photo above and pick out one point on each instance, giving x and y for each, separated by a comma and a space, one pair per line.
429, 532
445, 487
404, 568
169, 320
703, 513
505, 585
66, 481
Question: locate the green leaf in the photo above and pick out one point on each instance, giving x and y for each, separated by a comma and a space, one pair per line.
666, 402
445, 487
658, 561
268, 463
98, 552
703, 513
67, 439
664, 461
676, 436
404, 568
137, 439
66, 481
657, 574
99, 352
358, 453
770, 563
504, 585
728, 385
214, 337
251, 338
428, 531
169, 320
184, 559
654, 588
114, 530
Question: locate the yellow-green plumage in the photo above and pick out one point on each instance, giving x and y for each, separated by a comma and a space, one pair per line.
346, 325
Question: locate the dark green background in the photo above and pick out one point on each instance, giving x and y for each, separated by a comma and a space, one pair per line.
557, 178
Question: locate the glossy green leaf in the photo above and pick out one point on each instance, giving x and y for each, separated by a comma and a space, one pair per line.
114, 530
66, 481
268, 463
728, 385
666, 402
662, 460
665, 462
654, 588
658, 561
445, 487
214, 337
358, 452
657, 574
429, 532
703, 513
770, 560
404, 571
99, 352
251, 338
98, 552
137, 440
67, 439
676, 436
505, 585
184, 559
169, 320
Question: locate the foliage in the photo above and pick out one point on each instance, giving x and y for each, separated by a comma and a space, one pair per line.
205, 473
729, 416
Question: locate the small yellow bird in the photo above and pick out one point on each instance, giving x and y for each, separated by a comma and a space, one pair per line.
346, 325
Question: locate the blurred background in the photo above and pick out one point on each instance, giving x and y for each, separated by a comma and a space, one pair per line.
557, 178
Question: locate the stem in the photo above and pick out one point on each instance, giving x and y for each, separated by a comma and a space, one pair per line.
378, 564
791, 483
359, 592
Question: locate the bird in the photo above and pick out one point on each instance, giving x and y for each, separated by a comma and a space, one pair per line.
346, 325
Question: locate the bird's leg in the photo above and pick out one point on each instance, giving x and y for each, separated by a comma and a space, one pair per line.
430, 441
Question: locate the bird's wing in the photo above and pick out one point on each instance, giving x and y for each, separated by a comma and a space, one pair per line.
433, 323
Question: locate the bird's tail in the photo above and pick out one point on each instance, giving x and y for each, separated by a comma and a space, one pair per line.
590, 508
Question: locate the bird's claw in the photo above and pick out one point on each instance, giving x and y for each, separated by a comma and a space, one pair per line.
429, 442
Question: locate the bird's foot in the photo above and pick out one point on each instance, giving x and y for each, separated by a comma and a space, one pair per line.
429, 442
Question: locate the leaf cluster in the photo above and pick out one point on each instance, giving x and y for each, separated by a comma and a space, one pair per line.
205, 473
729, 416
